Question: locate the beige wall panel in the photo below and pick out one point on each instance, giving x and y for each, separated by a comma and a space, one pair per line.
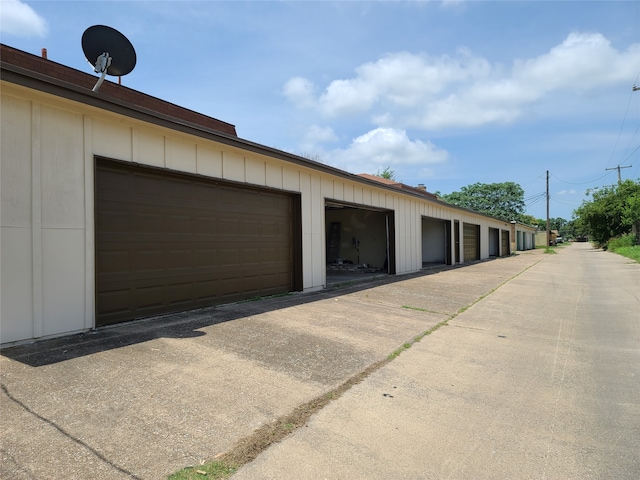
273, 175
348, 193
16, 295
209, 162
62, 169
338, 190
291, 179
306, 201
366, 196
327, 187
233, 166
375, 198
112, 140
386, 201
402, 225
317, 204
15, 162
63, 282
318, 264
484, 240
256, 171
180, 156
357, 194
313, 224
149, 148
307, 271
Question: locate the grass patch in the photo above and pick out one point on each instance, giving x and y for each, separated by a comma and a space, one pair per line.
625, 246
632, 252
248, 448
213, 471
420, 309
408, 345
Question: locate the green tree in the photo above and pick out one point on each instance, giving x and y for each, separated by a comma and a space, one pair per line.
528, 219
611, 212
502, 200
386, 173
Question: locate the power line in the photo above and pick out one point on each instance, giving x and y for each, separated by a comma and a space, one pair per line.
529, 205
581, 183
532, 197
623, 121
565, 203
630, 142
539, 177
630, 155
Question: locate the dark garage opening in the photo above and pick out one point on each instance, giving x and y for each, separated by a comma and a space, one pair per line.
359, 242
494, 242
436, 242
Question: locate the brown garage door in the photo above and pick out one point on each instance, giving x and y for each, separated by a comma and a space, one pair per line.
471, 238
505, 243
167, 242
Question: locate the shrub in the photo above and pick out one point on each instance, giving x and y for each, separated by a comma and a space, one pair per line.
619, 242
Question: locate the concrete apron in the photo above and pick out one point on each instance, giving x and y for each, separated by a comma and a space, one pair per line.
145, 399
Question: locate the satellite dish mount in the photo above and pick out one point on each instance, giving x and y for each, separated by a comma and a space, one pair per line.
102, 64
108, 51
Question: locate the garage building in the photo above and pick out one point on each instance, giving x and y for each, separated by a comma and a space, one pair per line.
116, 205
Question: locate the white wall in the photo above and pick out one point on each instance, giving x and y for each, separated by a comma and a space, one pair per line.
47, 209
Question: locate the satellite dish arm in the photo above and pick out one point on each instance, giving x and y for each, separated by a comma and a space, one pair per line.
102, 64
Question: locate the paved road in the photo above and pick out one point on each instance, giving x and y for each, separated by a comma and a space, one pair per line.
540, 379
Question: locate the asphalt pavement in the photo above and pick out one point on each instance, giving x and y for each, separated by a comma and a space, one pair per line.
538, 378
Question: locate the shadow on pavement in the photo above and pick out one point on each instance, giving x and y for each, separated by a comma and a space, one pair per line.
187, 324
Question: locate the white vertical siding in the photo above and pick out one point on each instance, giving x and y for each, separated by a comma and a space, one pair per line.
47, 210
181, 155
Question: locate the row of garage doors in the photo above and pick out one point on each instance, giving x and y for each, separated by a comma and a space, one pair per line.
167, 242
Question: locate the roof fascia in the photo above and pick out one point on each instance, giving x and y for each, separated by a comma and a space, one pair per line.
43, 83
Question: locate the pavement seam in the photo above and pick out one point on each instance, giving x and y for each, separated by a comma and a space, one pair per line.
65, 433
248, 448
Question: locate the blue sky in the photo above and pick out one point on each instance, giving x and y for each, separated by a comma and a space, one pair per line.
444, 93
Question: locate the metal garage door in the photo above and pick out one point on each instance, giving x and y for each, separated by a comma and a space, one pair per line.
167, 242
471, 238
505, 243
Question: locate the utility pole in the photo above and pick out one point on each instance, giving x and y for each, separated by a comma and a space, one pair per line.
548, 230
619, 168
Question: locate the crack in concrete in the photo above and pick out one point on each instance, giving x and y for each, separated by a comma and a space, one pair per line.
67, 434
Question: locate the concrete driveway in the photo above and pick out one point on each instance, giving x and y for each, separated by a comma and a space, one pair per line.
541, 379
145, 399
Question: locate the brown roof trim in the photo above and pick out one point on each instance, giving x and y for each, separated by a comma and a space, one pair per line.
25, 76
56, 71
399, 185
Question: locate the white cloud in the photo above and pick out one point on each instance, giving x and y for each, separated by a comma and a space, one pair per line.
384, 147
20, 19
566, 192
406, 90
316, 135
300, 92
583, 60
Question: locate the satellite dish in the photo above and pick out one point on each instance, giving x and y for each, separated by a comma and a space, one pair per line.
109, 51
